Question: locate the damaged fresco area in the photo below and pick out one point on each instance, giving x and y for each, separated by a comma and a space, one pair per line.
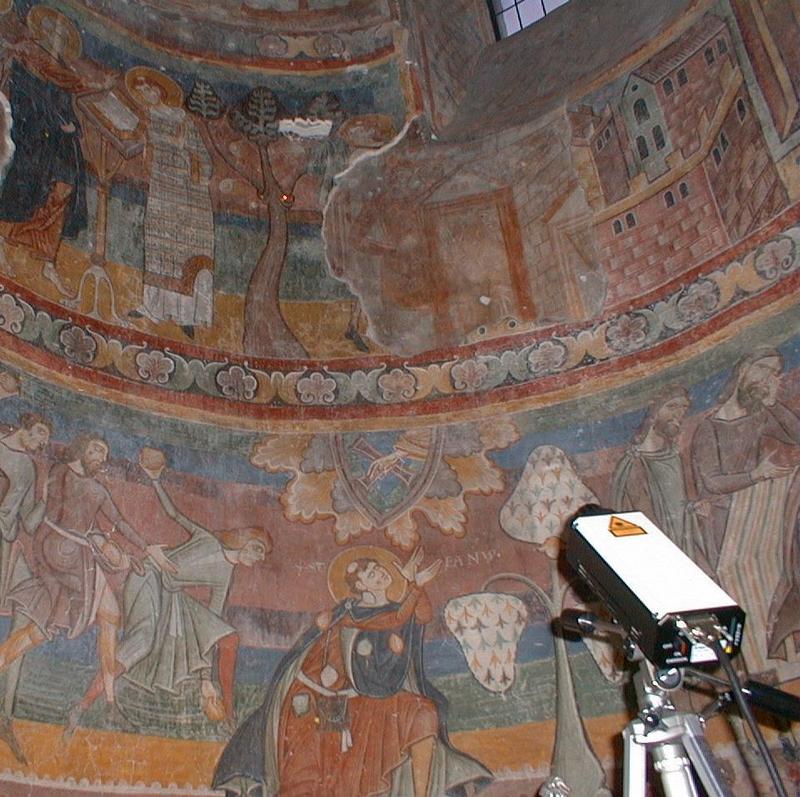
308, 353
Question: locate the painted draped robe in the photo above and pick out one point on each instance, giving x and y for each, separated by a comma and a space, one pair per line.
44, 192
751, 539
653, 482
68, 568
169, 635
299, 744
178, 224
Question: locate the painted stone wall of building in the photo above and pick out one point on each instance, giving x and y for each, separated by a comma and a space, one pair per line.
314, 332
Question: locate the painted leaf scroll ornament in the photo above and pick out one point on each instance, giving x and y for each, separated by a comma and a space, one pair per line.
488, 626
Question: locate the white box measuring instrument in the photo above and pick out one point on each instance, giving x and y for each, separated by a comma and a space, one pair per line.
651, 587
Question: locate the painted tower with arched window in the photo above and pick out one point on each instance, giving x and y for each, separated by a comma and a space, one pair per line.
646, 125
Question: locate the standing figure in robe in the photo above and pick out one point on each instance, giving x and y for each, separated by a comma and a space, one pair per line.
21, 512
349, 712
179, 221
43, 196
649, 476
69, 591
745, 455
169, 636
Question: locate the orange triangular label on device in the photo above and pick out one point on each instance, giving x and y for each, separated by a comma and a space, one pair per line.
623, 528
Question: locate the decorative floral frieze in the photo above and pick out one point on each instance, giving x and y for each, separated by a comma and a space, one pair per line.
11, 314
236, 383
316, 389
78, 345
474, 369
154, 367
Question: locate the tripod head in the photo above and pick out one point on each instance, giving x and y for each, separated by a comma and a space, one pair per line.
759, 695
660, 728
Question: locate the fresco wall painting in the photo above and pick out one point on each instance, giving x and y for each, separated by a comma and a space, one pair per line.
300, 383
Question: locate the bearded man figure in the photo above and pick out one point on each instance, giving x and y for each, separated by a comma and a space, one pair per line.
170, 636
650, 476
21, 512
744, 454
68, 591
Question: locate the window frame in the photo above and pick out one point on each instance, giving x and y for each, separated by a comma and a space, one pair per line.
514, 5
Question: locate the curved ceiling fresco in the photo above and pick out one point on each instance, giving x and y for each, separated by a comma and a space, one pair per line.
254, 34
343, 277
281, 234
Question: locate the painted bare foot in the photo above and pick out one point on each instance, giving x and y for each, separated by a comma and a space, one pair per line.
210, 701
8, 737
73, 720
49, 273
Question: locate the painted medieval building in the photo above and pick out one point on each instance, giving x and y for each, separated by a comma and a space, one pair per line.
319, 319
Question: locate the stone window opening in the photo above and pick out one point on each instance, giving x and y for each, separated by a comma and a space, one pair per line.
640, 111
717, 155
658, 137
709, 54
599, 143
722, 46
630, 220
741, 109
683, 78
641, 146
511, 16
607, 134
617, 226
668, 87
684, 190
723, 141
669, 199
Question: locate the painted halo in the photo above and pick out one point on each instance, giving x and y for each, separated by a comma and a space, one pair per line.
173, 94
55, 32
337, 570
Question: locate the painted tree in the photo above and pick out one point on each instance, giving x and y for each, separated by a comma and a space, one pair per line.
257, 119
547, 494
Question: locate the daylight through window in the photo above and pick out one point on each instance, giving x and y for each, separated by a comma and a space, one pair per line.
511, 16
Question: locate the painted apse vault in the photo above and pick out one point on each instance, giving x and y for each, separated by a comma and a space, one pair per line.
318, 318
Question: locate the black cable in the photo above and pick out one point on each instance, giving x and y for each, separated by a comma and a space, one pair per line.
744, 708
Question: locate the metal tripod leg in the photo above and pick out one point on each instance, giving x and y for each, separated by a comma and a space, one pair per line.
635, 761
703, 760
678, 747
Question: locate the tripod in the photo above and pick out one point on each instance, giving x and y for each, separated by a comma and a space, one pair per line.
675, 741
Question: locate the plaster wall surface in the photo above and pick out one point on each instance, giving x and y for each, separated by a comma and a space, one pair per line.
318, 319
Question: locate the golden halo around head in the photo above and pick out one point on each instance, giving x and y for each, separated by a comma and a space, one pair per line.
171, 92
55, 32
337, 570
